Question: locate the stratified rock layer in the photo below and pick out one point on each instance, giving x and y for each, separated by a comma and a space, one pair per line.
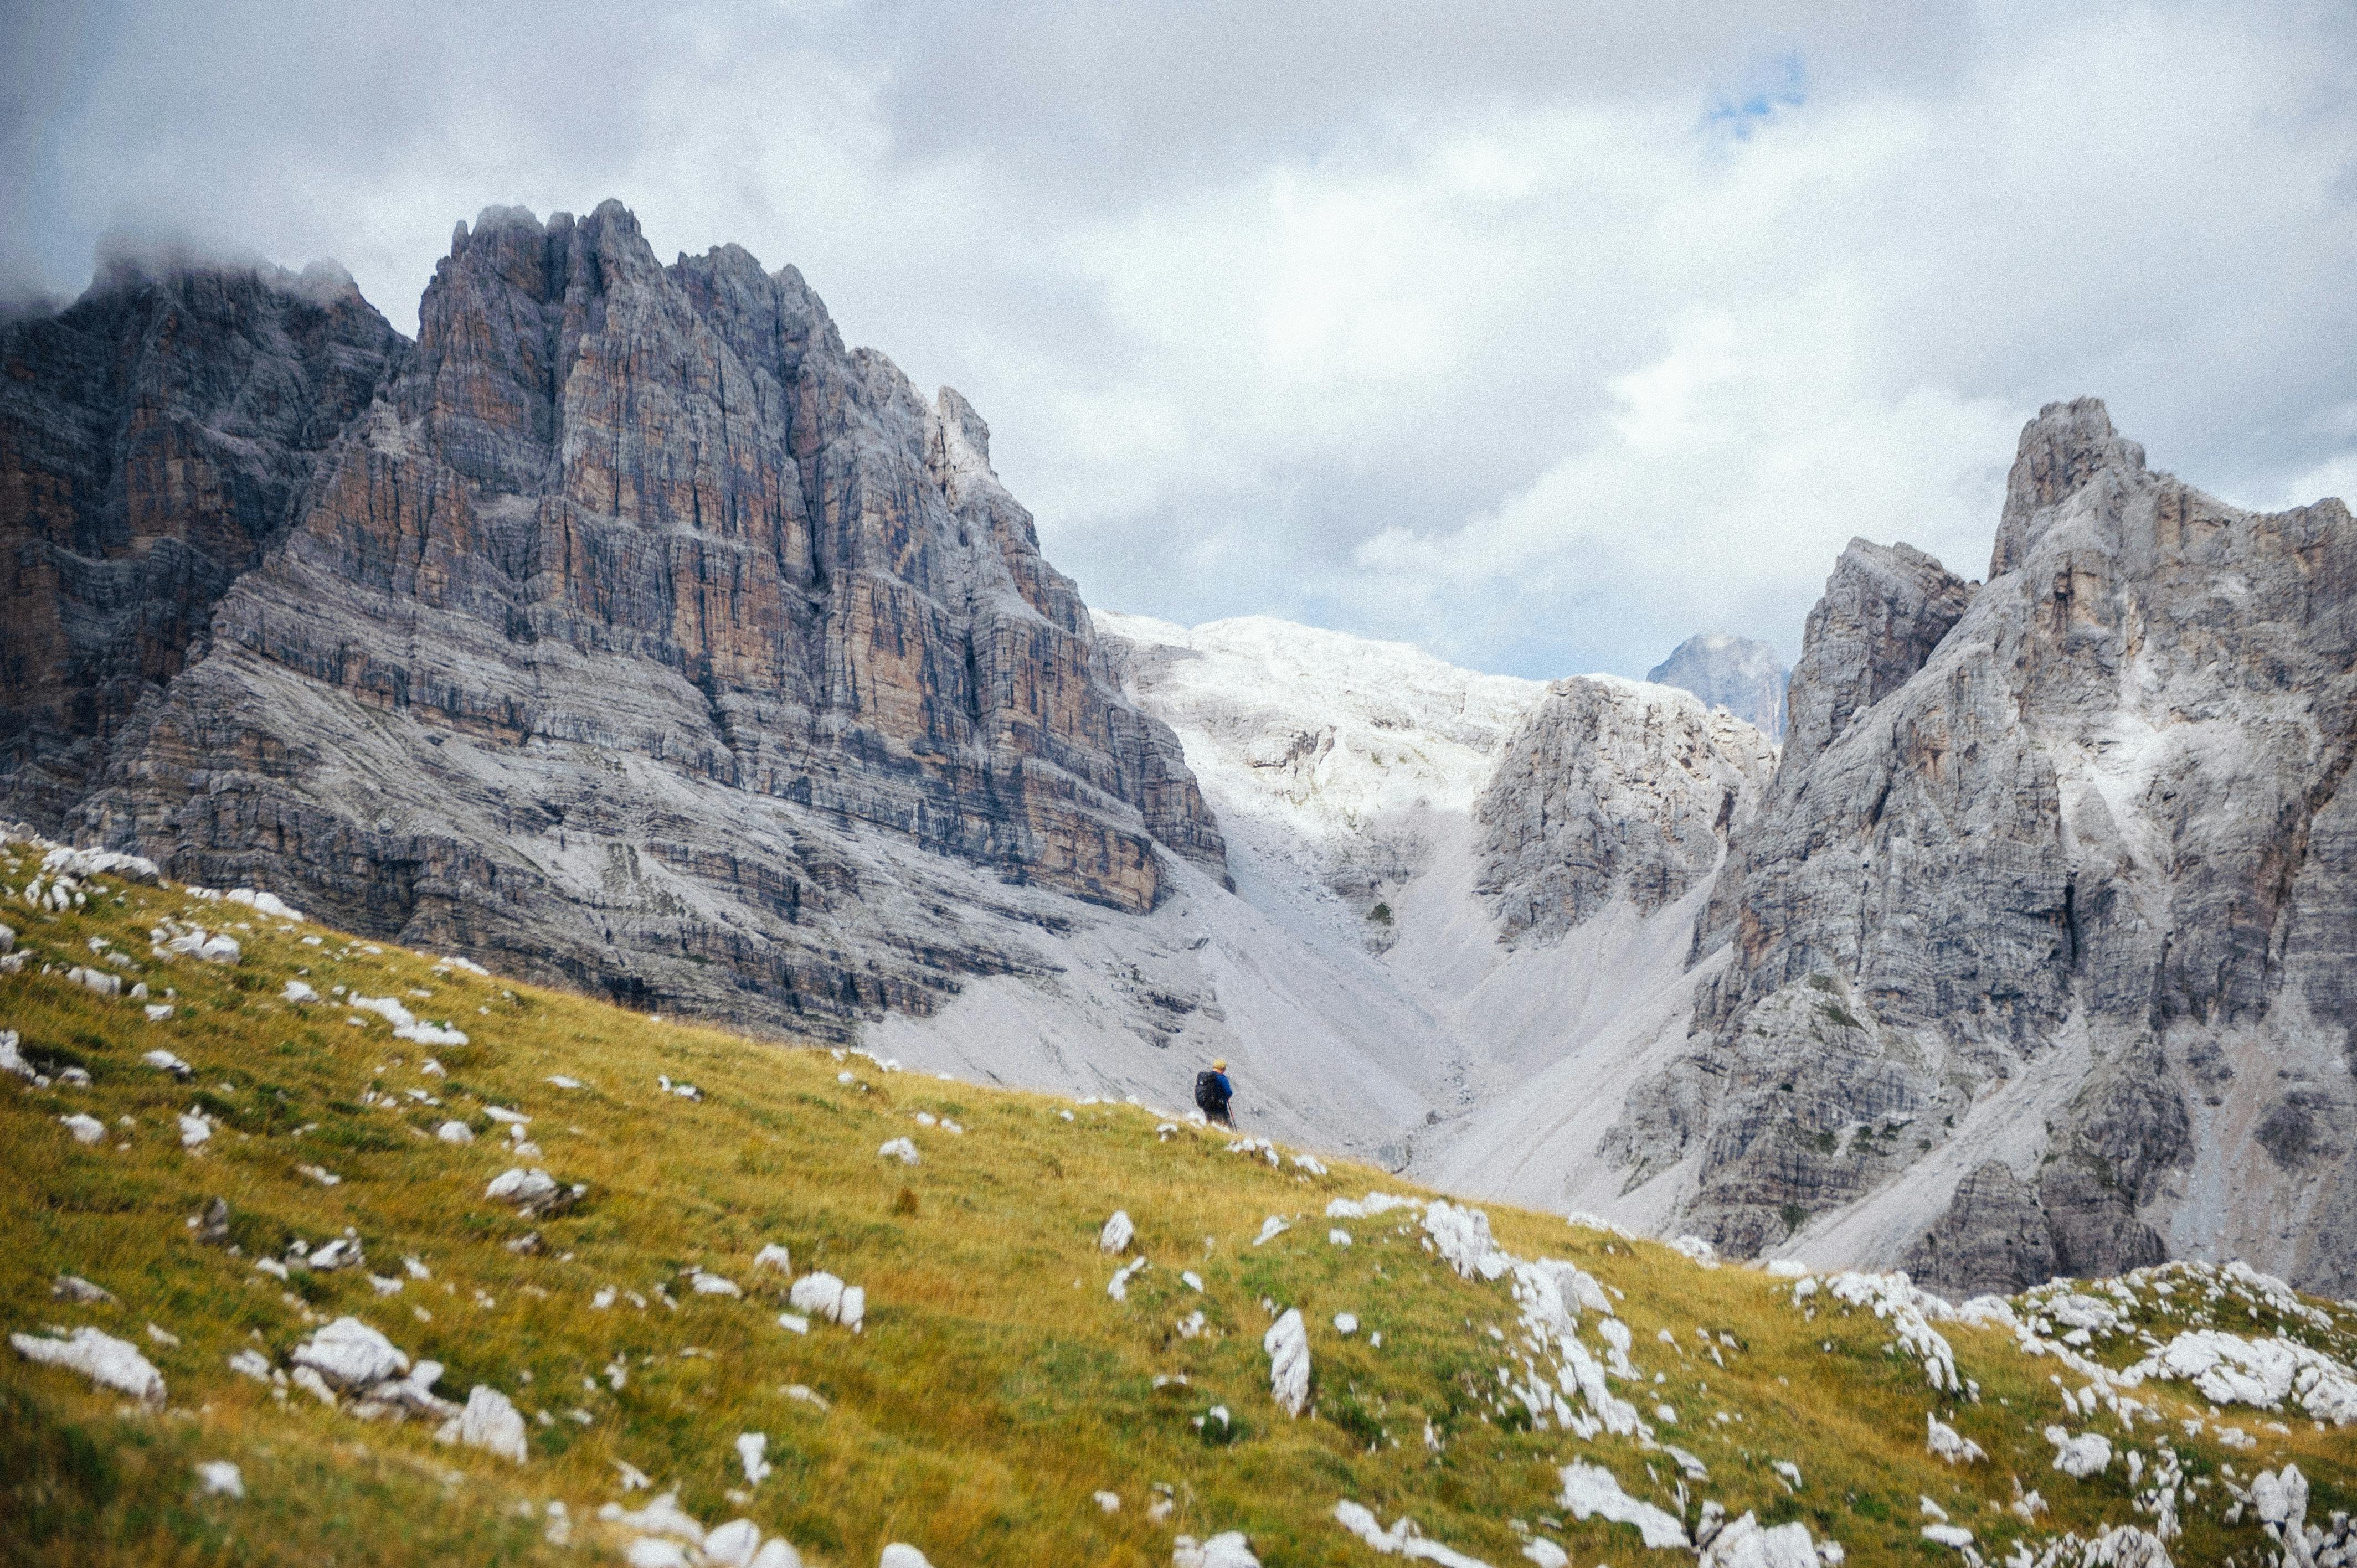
2059, 871
642, 635
154, 439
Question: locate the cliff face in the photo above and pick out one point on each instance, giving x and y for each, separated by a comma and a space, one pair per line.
154, 439
1611, 788
637, 633
1740, 674
2054, 906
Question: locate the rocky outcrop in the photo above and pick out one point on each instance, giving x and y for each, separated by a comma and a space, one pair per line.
1608, 789
640, 634
1740, 674
154, 439
2074, 850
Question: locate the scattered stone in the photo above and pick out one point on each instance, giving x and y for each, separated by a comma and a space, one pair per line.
774, 1256
220, 1479
1950, 1445
1108, 1501
1591, 1491
1230, 1550
1338, 1238
901, 1555
1345, 1324
351, 1354
903, 1149
109, 1362
1118, 1232
1118, 1287
527, 1245
165, 1061
713, 1285
454, 1131
1287, 1344
85, 1129
751, 1448
73, 1287
2088, 1453
195, 1131
299, 991
489, 1422
1270, 1230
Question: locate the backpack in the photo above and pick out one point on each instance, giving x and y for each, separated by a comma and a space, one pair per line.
1208, 1098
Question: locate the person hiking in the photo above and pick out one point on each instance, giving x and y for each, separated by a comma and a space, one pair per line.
1213, 1092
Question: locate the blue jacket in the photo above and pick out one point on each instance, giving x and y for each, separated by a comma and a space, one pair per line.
1227, 1090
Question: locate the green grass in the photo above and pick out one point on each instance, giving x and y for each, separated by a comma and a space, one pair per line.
996, 1386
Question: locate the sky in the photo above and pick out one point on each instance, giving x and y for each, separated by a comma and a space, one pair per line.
1541, 336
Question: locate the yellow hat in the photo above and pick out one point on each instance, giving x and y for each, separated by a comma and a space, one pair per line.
1219, 1064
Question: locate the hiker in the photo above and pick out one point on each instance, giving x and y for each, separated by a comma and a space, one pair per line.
1213, 1091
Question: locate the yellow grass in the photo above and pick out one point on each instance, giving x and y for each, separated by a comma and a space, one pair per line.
996, 1386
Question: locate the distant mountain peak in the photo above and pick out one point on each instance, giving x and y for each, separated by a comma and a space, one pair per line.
1742, 674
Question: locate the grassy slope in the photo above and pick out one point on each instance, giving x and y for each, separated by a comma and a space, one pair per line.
995, 1387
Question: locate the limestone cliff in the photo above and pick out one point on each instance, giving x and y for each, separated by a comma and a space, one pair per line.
2053, 905
639, 633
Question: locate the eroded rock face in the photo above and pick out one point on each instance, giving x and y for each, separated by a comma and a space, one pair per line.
154, 439
1742, 674
2074, 850
1612, 788
640, 634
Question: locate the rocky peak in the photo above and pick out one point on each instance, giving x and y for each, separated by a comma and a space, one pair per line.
1740, 674
661, 618
1885, 608
2068, 444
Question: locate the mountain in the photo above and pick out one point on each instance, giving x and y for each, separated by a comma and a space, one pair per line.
1511, 868
2037, 960
298, 1276
1739, 674
626, 628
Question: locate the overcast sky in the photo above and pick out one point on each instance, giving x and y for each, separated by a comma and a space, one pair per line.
1541, 334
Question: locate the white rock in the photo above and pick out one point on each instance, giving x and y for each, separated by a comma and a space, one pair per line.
1345, 1324
299, 991
1108, 1501
1462, 1236
109, 1362
648, 1551
2088, 1453
732, 1546
1743, 1543
1287, 1344
251, 1363
713, 1285
454, 1131
351, 1354
1230, 1550
1118, 1232
1338, 1238
751, 1448
85, 1129
562, 1082
194, 1131
774, 1256
1546, 1553
1952, 1535
220, 1479
103, 981
1697, 1250
219, 950
165, 1061
1950, 1445
1270, 1230
520, 1185
308, 1379
157, 1011
900, 1556
794, 1323
901, 1149
268, 903
852, 1313
777, 1553
1591, 1491
384, 1007
489, 1422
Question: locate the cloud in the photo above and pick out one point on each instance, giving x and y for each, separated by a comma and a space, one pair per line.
1541, 335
